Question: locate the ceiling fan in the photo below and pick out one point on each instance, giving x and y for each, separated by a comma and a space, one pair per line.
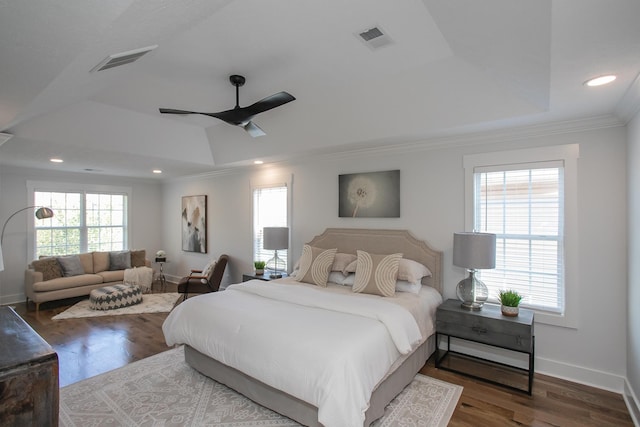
242, 116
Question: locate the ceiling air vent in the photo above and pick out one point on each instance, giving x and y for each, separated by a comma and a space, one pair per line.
374, 37
122, 58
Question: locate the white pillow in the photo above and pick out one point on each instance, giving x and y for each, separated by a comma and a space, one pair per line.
412, 271
209, 267
336, 277
405, 286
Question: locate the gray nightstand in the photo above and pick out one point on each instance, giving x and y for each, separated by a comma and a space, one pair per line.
487, 326
266, 276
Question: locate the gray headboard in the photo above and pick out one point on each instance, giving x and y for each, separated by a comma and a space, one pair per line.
349, 240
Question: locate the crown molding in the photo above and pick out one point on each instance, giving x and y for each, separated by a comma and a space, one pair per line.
629, 105
4, 137
417, 144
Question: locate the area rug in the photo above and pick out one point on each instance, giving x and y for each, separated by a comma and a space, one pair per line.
163, 390
151, 303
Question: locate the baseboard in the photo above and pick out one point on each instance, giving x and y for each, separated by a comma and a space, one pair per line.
581, 375
632, 402
12, 299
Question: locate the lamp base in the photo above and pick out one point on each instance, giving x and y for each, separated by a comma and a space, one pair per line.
275, 276
472, 292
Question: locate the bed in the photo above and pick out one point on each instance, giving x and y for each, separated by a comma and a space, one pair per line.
320, 356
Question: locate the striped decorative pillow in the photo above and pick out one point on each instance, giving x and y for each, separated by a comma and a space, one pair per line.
315, 264
376, 274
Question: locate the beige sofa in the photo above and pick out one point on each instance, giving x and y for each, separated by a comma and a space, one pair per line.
54, 278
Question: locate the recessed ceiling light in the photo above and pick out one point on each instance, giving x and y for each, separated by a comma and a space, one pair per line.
157, 171
601, 80
258, 162
56, 160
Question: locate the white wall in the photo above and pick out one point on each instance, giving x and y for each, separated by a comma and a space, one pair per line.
633, 297
432, 208
146, 222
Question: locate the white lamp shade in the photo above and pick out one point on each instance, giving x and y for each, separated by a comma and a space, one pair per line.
275, 238
474, 250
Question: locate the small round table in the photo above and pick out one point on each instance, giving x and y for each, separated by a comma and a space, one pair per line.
161, 278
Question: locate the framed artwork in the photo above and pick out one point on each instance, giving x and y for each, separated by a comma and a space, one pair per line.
194, 224
369, 195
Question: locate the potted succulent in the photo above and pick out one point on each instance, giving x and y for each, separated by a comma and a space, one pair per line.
259, 267
510, 300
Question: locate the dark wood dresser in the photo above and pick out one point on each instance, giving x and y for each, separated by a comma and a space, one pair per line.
29, 393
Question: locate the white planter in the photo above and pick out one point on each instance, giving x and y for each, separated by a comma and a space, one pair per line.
510, 311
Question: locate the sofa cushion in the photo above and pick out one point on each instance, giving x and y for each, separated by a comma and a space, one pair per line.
67, 282
120, 260
112, 276
71, 265
87, 262
100, 261
49, 267
138, 258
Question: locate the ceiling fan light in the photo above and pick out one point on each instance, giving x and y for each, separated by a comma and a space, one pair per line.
600, 80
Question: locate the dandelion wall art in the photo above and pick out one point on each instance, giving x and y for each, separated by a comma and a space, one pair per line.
369, 195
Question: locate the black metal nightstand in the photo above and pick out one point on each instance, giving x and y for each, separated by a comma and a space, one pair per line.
487, 326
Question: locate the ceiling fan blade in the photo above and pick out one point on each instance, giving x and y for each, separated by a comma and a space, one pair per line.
172, 111
254, 130
269, 102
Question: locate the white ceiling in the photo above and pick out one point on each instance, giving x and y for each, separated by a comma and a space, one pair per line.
455, 66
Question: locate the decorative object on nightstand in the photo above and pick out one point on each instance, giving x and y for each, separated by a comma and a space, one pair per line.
259, 267
275, 238
510, 300
473, 251
161, 256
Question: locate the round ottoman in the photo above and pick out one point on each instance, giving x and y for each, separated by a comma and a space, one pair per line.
115, 296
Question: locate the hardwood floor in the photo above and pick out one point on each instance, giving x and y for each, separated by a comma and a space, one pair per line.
90, 346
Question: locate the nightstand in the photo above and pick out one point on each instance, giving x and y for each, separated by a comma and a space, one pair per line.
486, 326
266, 276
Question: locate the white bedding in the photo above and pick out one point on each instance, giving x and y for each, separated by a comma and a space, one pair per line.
328, 347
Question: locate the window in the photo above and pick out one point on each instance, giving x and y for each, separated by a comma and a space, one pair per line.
524, 208
84, 220
270, 207
528, 199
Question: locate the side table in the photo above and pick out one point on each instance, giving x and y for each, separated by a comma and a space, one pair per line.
486, 326
161, 278
266, 276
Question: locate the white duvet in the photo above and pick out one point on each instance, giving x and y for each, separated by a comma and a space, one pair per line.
327, 348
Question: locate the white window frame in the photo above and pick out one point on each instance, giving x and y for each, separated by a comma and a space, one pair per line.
65, 187
568, 155
268, 182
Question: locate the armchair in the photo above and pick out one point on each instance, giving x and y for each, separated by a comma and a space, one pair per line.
199, 283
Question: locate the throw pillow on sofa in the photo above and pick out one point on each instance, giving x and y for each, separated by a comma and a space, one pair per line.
138, 258
119, 260
49, 267
71, 265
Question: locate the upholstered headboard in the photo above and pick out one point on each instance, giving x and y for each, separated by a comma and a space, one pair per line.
349, 240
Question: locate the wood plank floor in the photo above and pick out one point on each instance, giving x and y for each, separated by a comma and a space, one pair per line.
90, 346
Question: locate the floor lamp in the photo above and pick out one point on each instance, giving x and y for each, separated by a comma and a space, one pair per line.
41, 213
276, 238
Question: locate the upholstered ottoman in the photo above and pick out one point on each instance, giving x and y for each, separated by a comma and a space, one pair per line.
115, 296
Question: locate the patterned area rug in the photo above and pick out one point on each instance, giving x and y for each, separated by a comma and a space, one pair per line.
163, 390
151, 303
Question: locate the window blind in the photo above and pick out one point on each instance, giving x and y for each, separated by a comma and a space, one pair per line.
523, 205
269, 210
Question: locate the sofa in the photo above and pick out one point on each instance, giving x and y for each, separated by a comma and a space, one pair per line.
55, 278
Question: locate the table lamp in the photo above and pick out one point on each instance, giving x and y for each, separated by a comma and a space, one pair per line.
275, 238
473, 251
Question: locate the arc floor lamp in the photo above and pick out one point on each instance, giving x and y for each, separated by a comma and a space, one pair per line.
41, 213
